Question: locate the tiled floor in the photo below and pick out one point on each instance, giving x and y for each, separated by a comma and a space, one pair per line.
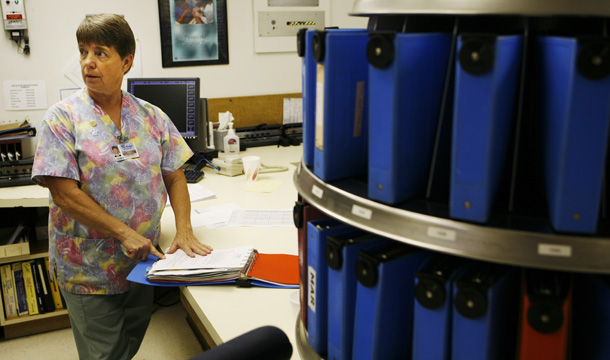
168, 337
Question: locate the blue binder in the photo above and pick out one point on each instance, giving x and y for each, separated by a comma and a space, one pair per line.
591, 317
341, 253
575, 104
406, 81
433, 307
383, 321
317, 280
487, 74
485, 313
341, 133
308, 86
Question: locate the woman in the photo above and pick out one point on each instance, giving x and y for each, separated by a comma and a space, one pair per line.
105, 210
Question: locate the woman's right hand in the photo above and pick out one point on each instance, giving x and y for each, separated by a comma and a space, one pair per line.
137, 247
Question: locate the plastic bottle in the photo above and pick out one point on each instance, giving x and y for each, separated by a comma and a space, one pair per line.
231, 142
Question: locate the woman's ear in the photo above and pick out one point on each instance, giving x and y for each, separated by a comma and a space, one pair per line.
127, 63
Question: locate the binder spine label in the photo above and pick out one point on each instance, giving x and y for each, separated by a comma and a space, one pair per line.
359, 108
320, 108
311, 280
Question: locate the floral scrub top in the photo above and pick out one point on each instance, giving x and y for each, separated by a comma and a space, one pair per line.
76, 141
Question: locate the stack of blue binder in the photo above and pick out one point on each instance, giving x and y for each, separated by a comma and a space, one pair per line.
317, 276
485, 313
341, 131
487, 75
575, 110
433, 308
308, 86
407, 77
341, 253
384, 301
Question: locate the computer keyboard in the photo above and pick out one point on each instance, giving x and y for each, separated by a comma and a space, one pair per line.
193, 176
20, 180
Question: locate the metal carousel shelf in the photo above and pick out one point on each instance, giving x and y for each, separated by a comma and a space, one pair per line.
521, 242
305, 349
480, 7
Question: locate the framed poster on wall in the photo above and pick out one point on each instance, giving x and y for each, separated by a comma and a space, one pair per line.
193, 32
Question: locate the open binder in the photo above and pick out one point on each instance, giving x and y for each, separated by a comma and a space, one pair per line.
243, 266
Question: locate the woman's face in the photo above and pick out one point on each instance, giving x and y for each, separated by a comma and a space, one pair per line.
102, 67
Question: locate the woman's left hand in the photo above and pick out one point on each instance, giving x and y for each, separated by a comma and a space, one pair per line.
189, 244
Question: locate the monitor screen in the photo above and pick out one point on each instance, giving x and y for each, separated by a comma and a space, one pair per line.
177, 97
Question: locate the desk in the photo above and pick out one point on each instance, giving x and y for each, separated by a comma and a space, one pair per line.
225, 312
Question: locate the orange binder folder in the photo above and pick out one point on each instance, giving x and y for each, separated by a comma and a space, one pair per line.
279, 269
545, 318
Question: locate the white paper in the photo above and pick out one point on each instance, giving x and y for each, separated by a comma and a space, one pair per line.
213, 217
25, 94
293, 111
261, 218
197, 193
222, 258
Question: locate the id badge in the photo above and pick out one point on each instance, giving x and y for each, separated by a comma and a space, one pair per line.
125, 152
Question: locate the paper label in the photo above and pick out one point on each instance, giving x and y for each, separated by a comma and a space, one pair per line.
359, 109
320, 108
440, 233
555, 250
317, 191
311, 281
362, 212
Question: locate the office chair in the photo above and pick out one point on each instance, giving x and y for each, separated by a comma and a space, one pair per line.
264, 343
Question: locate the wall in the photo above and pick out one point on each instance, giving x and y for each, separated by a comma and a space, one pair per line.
52, 25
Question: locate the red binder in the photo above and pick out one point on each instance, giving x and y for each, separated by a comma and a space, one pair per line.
545, 320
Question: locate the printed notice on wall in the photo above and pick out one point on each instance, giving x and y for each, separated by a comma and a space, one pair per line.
25, 94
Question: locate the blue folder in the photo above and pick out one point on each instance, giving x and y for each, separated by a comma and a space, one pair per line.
433, 307
575, 104
591, 317
308, 86
383, 321
341, 253
404, 108
341, 133
487, 75
485, 313
317, 280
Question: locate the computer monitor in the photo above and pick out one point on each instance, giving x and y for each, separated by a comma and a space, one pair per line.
177, 97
